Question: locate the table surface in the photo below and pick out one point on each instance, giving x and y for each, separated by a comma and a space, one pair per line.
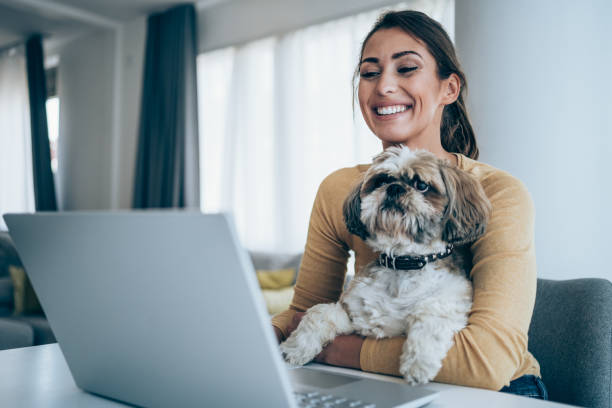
39, 377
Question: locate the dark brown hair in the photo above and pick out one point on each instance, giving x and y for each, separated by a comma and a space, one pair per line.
456, 131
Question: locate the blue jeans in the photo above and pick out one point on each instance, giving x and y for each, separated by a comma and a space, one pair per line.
528, 386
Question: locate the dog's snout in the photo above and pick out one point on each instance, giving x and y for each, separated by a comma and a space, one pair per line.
395, 190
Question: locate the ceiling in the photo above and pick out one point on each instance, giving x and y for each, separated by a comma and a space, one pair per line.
59, 20
120, 10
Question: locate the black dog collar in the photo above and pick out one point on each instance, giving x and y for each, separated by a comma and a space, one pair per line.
408, 262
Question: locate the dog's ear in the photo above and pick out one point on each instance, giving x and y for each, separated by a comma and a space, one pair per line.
468, 208
352, 212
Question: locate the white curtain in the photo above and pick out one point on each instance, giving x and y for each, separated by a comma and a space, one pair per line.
276, 117
16, 184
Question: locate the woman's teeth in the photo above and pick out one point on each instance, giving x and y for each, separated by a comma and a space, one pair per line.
390, 110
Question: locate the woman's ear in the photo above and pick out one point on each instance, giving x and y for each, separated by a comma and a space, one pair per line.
468, 209
451, 88
352, 213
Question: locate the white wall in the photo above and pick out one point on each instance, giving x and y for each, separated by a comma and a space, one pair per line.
131, 68
99, 114
85, 78
540, 100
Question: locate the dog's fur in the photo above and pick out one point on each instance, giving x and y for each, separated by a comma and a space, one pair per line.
429, 305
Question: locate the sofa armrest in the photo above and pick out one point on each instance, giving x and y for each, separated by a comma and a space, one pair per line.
6, 293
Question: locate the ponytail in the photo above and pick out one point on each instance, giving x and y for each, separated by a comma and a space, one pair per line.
456, 132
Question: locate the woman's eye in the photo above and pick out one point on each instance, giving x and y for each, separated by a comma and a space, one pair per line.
405, 70
420, 186
369, 74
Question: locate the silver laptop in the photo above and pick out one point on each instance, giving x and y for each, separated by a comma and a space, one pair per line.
162, 309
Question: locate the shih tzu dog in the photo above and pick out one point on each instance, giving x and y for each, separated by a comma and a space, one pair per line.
416, 211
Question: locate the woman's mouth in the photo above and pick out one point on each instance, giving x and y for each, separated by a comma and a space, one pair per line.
391, 110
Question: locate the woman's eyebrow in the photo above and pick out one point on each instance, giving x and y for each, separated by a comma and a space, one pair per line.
370, 59
394, 56
402, 53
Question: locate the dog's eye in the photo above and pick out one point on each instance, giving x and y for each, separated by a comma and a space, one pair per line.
420, 186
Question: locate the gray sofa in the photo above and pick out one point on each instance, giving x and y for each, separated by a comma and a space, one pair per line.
571, 337
17, 330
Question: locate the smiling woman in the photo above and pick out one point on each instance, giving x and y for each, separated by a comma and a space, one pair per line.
410, 93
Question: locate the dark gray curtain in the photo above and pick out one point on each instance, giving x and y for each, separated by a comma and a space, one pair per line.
44, 188
167, 167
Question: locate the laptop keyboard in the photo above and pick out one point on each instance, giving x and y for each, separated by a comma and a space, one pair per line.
318, 400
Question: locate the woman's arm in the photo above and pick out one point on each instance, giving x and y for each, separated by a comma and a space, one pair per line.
492, 348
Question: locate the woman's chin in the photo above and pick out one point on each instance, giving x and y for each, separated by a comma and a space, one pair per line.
405, 135
389, 140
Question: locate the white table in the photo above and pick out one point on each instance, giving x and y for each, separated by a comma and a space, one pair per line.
39, 377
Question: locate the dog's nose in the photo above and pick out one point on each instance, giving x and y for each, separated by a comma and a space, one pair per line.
395, 190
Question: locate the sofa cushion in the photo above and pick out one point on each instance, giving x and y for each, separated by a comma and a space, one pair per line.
276, 279
8, 254
40, 327
277, 299
26, 301
15, 334
6, 292
273, 261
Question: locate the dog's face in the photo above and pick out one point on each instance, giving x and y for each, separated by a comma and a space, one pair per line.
412, 199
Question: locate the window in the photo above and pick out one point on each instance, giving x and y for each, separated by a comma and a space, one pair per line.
16, 185
53, 107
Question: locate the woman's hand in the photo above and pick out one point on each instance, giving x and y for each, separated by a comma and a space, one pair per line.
344, 351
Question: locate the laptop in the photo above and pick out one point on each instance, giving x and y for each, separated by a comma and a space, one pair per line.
162, 308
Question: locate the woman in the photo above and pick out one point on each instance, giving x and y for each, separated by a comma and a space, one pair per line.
411, 92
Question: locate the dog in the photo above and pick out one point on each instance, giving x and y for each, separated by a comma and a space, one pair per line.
418, 212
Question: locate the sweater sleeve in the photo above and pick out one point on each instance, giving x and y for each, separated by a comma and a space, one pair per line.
492, 348
323, 268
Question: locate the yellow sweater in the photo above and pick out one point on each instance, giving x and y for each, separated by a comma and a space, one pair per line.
492, 349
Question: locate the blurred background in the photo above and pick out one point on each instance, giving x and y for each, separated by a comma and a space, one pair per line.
246, 105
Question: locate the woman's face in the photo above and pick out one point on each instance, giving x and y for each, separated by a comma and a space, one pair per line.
400, 94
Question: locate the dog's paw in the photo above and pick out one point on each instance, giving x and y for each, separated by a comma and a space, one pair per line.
297, 352
418, 371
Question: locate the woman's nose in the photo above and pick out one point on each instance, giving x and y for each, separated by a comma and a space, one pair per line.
387, 83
